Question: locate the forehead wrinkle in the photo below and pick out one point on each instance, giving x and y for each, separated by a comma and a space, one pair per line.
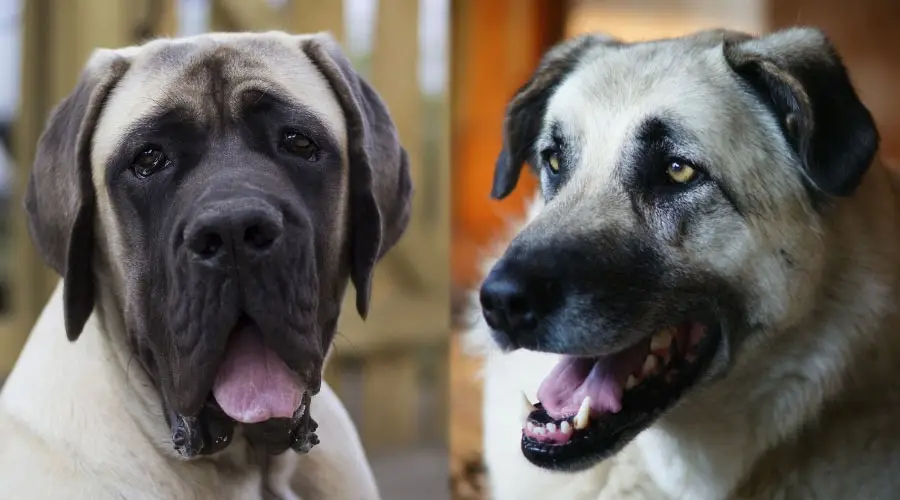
160, 71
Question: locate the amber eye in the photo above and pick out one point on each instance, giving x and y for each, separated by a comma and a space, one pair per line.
149, 161
298, 144
551, 160
681, 172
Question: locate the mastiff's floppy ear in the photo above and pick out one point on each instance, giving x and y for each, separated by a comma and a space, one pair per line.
525, 112
380, 184
59, 199
800, 76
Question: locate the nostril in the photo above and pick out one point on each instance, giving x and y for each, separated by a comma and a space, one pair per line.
207, 244
260, 236
506, 305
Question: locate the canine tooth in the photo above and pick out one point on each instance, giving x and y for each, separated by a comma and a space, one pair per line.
530, 426
650, 364
661, 339
565, 427
551, 427
584, 414
631, 382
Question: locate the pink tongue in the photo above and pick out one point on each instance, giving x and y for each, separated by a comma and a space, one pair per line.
603, 379
253, 383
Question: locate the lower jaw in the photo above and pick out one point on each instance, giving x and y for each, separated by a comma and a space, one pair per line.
608, 433
212, 431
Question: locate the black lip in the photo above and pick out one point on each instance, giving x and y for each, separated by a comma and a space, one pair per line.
605, 436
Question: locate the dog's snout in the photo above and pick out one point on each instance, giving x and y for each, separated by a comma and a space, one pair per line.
505, 303
240, 227
513, 302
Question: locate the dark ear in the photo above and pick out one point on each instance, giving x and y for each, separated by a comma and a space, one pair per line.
525, 112
380, 184
801, 78
59, 199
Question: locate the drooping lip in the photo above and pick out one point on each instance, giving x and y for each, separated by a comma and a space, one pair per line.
273, 418
567, 439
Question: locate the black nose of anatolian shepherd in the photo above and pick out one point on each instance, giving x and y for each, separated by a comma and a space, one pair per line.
234, 230
515, 300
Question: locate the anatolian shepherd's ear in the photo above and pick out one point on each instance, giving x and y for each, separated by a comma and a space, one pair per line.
800, 77
380, 184
59, 199
525, 112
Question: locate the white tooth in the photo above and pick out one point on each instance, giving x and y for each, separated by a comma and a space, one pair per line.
530, 426
540, 431
551, 427
650, 364
565, 427
584, 414
631, 382
661, 340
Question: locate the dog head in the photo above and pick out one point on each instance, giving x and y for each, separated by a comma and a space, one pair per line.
686, 184
223, 189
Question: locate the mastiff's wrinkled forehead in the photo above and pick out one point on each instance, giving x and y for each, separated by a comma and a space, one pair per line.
219, 191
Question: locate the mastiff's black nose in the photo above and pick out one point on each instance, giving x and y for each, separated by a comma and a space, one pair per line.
241, 228
514, 301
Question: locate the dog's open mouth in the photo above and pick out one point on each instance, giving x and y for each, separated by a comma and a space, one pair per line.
590, 407
255, 388
253, 384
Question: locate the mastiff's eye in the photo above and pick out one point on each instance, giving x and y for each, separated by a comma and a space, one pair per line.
551, 160
149, 161
298, 144
681, 172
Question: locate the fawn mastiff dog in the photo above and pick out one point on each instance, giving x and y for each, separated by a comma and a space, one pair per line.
206, 201
704, 301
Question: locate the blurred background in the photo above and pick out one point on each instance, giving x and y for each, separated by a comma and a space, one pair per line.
391, 372
496, 46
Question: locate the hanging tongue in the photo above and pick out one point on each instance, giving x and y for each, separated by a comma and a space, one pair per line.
603, 379
253, 383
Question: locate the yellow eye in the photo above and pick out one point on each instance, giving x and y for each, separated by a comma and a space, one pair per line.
553, 161
681, 172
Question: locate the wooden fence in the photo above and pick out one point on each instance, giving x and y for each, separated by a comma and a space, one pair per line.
391, 371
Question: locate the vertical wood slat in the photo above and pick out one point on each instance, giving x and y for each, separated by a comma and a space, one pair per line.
25, 276
439, 419
219, 17
310, 16
166, 24
390, 400
394, 74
